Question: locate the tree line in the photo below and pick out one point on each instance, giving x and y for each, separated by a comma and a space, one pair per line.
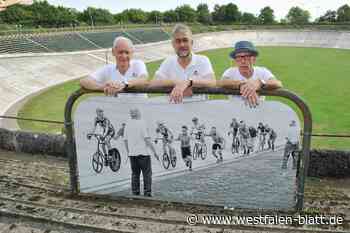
42, 14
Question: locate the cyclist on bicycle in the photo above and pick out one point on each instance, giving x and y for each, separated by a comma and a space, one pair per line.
104, 123
252, 136
244, 135
292, 145
218, 144
165, 135
271, 138
185, 140
197, 130
262, 135
233, 129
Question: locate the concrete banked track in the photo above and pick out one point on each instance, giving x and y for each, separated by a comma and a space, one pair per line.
40, 202
22, 75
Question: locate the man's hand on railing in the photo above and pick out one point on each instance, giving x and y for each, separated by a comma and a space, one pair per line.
112, 88
180, 90
249, 91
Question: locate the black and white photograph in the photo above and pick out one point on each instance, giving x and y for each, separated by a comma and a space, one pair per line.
217, 152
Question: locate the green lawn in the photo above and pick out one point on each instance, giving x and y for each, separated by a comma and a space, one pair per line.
320, 76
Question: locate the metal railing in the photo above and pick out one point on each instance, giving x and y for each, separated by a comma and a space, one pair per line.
306, 139
32, 119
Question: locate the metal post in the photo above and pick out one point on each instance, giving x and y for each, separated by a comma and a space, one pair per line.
70, 146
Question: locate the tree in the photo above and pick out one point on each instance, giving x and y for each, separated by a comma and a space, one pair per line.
135, 15
296, 15
266, 16
170, 16
219, 13
283, 21
186, 13
248, 18
343, 13
154, 17
65, 17
96, 16
120, 18
329, 16
203, 14
16, 14
232, 13
39, 14
43, 14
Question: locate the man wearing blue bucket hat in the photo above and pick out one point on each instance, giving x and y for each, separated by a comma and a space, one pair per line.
247, 77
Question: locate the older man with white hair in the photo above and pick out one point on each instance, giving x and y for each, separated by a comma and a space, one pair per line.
126, 73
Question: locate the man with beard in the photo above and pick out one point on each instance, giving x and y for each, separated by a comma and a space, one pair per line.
185, 69
246, 77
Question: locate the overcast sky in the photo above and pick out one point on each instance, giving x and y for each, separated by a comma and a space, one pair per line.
280, 7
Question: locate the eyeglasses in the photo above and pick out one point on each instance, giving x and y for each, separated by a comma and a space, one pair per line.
241, 57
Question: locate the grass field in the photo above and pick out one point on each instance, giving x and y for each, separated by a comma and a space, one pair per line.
319, 76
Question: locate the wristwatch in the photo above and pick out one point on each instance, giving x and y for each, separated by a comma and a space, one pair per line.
126, 84
191, 82
263, 84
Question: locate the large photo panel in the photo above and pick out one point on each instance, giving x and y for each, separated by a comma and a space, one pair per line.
216, 152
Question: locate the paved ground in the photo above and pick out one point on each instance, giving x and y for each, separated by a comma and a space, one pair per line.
252, 182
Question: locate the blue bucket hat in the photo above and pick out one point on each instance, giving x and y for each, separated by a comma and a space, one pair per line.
244, 46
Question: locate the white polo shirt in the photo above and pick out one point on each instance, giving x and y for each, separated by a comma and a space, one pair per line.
259, 73
199, 67
110, 72
135, 132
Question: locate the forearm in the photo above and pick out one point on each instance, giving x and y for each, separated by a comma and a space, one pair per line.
91, 84
162, 83
204, 83
227, 83
273, 84
138, 83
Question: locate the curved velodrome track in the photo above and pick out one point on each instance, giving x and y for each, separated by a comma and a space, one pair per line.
23, 75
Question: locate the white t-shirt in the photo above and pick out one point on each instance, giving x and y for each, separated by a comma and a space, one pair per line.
261, 73
135, 132
293, 135
109, 72
199, 67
